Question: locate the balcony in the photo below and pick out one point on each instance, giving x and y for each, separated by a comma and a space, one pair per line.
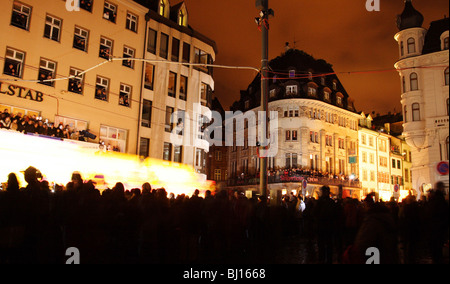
296, 177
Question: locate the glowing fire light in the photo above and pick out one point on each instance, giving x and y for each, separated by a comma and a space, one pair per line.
57, 160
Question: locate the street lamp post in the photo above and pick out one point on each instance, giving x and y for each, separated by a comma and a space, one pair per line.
263, 22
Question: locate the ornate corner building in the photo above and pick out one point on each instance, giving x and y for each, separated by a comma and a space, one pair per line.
423, 67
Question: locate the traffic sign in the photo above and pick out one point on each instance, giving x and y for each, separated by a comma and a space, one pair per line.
442, 168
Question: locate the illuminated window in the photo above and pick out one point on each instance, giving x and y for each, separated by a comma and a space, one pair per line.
76, 81
115, 139
110, 12
106, 46
102, 89
21, 16
125, 95
47, 71
291, 90
172, 84
183, 88
80, 39
149, 76
128, 53
14, 63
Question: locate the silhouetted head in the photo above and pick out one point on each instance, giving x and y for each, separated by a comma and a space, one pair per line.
31, 175
325, 191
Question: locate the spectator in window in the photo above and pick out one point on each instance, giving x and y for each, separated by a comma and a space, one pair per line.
5, 123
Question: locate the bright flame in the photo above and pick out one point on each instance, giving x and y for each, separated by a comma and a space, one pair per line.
57, 160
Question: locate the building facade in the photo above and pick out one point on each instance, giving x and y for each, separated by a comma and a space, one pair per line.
424, 74
317, 130
71, 67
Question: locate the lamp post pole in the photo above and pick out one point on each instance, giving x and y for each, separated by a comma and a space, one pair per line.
264, 23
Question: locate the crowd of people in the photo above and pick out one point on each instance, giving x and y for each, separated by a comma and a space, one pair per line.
36, 125
146, 225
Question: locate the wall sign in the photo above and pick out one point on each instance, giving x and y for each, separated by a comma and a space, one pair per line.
20, 92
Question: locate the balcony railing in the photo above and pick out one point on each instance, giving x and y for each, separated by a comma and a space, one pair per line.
296, 178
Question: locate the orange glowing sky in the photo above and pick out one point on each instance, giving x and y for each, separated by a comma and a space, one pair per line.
341, 32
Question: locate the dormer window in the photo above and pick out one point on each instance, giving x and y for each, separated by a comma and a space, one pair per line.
291, 73
334, 85
164, 8
312, 92
291, 90
339, 99
310, 76
326, 94
322, 80
182, 17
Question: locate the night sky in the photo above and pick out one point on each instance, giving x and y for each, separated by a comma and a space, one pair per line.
342, 32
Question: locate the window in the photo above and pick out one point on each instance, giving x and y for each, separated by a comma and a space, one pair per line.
186, 53
128, 52
115, 138
446, 43
124, 95
414, 86
291, 160
144, 147
172, 84
76, 81
218, 156
201, 57
415, 112
21, 16
402, 49
149, 76
132, 22
162, 8
217, 175
168, 124
52, 28
446, 76
326, 94
364, 157
403, 84
291, 90
183, 87
288, 135
14, 63
152, 39
178, 154
294, 135
370, 141
110, 12
86, 5
47, 71
339, 101
393, 163
312, 92
175, 49
80, 39
411, 45
291, 73
363, 139
181, 18
164, 48
106, 46
205, 94
399, 166
146, 113
167, 152
372, 158
102, 89
405, 116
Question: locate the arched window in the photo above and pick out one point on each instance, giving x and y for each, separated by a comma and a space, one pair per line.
405, 114
446, 74
403, 84
411, 45
414, 85
446, 43
415, 112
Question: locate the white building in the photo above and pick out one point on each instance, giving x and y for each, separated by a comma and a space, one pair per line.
317, 130
423, 67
